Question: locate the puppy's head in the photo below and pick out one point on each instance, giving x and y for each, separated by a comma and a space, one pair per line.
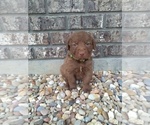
80, 45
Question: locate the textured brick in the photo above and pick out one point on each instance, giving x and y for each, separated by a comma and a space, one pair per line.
36, 6
49, 52
97, 52
19, 52
93, 21
135, 35
78, 6
9, 23
135, 5
125, 50
92, 5
136, 50
4, 53
112, 50
14, 39
47, 23
13, 6
59, 37
57, 6
74, 22
136, 20
38, 39
30, 53
108, 36
113, 20
110, 5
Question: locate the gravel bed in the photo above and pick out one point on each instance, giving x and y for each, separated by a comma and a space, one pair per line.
120, 98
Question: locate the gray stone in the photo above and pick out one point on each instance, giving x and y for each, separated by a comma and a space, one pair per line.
92, 5
136, 20
59, 6
110, 5
51, 52
114, 20
38, 39
108, 36
4, 53
61, 122
92, 21
78, 6
136, 50
112, 50
14, 39
147, 82
59, 37
135, 36
101, 118
14, 23
38, 122
47, 23
66, 6
15, 6
78, 122
36, 6
19, 53
140, 5
74, 22
16, 122
87, 119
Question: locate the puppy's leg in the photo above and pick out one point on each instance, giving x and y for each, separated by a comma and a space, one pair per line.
86, 82
72, 82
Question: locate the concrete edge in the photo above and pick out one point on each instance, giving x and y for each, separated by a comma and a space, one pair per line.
53, 66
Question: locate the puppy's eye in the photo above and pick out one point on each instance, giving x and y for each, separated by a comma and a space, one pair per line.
88, 43
74, 44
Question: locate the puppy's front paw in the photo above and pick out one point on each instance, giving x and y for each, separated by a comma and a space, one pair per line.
87, 88
72, 87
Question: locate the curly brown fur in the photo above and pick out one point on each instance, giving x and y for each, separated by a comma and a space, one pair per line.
78, 64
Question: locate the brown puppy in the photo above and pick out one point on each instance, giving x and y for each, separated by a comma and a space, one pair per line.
78, 64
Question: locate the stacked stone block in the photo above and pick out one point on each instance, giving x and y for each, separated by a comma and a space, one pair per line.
39, 29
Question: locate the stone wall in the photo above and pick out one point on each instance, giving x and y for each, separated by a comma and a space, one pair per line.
36, 31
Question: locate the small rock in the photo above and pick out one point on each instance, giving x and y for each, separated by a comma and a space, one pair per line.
79, 117
119, 82
78, 122
110, 115
132, 115
74, 95
68, 93
44, 111
87, 119
130, 92
51, 82
112, 86
65, 116
134, 86
71, 102
81, 112
82, 97
47, 119
147, 82
94, 97
106, 96
101, 118
147, 98
105, 115
38, 122
61, 122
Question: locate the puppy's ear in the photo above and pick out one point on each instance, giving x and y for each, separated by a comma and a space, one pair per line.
67, 44
94, 44
93, 40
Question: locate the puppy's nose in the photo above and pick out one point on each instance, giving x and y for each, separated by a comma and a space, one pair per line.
81, 54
